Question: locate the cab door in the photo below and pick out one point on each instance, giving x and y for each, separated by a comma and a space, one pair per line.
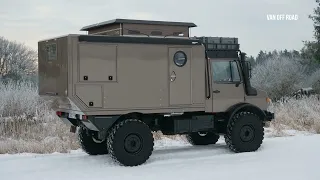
226, 84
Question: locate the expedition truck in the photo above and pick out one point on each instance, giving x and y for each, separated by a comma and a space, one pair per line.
116, 90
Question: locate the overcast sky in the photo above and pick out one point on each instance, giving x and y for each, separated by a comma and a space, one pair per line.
29, 21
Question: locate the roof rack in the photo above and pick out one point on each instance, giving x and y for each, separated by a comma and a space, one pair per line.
220, 43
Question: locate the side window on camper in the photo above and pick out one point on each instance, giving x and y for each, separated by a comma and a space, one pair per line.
225, 72
51, 50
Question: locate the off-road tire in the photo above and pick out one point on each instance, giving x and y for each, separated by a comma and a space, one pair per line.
195, 139
130, 142
88, 145
245, 132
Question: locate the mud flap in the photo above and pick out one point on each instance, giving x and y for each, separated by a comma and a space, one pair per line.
73, 129
269, 116
66, 121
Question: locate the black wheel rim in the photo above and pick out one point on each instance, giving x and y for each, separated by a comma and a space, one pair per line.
133, 143
247, 133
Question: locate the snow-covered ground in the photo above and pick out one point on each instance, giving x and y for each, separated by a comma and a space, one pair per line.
283, 158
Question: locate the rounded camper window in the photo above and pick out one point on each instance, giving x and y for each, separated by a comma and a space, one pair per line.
180, 58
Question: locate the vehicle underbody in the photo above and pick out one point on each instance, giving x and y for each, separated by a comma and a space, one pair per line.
243, 131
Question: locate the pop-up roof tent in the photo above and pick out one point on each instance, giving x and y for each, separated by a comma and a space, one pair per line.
118, 27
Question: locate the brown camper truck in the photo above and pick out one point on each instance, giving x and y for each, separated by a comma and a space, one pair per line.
118, 89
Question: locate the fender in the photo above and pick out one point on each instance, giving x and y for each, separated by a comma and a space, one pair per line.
245, 107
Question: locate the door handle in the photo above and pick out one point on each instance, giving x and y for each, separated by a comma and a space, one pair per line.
216, 91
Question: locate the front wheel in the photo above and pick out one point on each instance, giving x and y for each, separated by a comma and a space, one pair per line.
245, 132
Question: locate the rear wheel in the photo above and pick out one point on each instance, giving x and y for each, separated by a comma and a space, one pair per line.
202, 138
130, 142
90, 144
245, 132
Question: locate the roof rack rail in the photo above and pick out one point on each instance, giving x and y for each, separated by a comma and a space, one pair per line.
220, 43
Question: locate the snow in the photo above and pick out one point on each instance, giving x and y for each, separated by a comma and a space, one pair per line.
281, 158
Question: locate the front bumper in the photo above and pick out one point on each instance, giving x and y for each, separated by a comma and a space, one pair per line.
269, 116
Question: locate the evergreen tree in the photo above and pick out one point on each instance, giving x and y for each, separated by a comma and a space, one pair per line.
269, 55
316, 21
251, 60
275, 53
261, 57
296, 54
286, 53
312, 48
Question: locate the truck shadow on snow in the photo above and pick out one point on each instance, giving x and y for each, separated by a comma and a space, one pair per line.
188, 152
176, 154
170, 155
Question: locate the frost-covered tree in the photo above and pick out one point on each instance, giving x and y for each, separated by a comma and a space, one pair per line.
314, 81
279, 76
16, 60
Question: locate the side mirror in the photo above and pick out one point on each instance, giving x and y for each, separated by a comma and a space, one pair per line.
249, 68
246, 63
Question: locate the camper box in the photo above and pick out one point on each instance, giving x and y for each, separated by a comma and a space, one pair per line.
101, 75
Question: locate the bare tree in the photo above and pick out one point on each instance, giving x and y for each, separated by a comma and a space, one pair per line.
16, 60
